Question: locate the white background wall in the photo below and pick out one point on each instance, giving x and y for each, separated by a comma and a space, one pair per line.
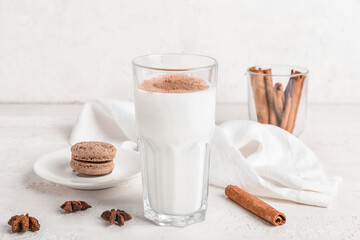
77, 50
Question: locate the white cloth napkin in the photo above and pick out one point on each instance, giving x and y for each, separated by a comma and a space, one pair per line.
261, 159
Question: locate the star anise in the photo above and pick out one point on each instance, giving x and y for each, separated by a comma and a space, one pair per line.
74, 206
23, 223
119, 216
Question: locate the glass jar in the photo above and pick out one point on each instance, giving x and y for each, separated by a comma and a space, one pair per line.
277, 95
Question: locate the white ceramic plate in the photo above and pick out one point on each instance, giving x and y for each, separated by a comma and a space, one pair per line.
55, 167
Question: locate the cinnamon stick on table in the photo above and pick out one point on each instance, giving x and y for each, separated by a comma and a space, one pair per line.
259, 91
279, 100
255, 205
270, 96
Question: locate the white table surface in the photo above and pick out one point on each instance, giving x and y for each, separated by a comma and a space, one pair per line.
30, 131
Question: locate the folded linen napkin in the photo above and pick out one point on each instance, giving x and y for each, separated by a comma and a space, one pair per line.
262, 159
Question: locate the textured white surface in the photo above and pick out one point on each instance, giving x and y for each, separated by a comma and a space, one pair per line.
29, 131
76, 50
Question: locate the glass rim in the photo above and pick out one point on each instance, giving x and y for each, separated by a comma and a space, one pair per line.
214, 61
304, 71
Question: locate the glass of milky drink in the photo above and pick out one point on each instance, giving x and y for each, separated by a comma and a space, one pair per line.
175, 114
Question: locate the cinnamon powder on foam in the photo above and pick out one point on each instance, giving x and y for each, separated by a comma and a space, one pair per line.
174, 83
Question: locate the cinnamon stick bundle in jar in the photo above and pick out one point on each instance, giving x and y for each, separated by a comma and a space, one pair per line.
273, 104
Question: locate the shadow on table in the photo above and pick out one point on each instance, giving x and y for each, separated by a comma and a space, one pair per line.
126, 195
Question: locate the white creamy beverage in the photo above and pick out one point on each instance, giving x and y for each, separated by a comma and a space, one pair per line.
174, 134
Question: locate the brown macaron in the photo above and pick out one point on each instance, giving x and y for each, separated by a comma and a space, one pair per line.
93, 158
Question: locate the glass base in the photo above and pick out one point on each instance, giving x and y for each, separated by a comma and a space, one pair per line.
173, 220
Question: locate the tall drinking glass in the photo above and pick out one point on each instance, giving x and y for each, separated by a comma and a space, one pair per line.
175, 115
